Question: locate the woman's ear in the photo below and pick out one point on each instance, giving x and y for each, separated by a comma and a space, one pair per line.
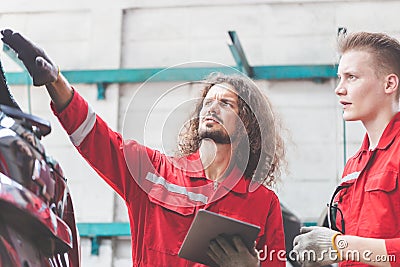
392, 83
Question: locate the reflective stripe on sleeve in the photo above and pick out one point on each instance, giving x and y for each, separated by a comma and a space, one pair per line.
173, 188
84, 129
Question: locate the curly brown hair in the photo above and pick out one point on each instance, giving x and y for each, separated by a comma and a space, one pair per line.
260, 154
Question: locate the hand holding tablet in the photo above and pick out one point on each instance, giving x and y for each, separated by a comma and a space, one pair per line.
207, 226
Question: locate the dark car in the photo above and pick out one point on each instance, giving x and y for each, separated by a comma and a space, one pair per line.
37, 222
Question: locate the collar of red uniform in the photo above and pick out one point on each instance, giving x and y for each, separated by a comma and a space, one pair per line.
390, 132
196, 171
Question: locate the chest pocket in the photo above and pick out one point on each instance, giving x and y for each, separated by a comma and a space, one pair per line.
382, 205
385, 182
167, 222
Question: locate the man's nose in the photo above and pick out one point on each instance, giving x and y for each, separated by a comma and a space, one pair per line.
340, 89
214, 106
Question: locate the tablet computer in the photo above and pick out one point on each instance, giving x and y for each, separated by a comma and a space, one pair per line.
205, 227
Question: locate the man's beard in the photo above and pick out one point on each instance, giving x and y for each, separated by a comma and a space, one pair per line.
219, 137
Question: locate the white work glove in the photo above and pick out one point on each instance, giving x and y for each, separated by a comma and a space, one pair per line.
314, 247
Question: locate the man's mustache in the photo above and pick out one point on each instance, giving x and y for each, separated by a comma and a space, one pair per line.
214, 117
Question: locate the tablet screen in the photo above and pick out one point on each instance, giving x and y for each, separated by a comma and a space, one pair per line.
207, 226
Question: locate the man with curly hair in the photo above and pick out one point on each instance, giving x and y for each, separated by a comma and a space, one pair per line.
230, 148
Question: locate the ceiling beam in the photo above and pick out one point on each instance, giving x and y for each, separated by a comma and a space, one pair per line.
284, 72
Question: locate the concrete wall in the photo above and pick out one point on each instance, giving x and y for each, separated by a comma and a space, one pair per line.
136, 34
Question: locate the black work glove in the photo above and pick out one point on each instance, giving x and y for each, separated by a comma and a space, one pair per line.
39, 65
227, 254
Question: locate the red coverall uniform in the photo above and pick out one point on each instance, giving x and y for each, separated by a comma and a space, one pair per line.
371, 203
162, 199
